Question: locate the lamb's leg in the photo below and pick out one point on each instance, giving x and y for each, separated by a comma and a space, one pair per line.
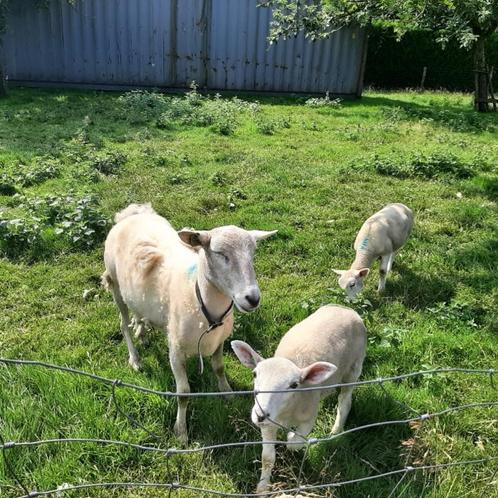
343, 407
134, 359
178, 366
345, 397
385, 268
219, 369
267, 457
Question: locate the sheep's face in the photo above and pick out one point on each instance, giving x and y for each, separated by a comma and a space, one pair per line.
228, 261
278, 374
274, 374
351, 281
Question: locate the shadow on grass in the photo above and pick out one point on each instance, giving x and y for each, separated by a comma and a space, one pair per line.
454, 117
479, 261
348, 457
419, 291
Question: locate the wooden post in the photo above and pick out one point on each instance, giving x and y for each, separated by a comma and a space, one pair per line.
491, 71
422, 81
481, 96
3, 85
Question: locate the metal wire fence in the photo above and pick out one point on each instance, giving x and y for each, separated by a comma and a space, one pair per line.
170, 485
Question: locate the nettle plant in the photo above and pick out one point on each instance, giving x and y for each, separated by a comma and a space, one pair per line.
17, 235
192, 109
69, 221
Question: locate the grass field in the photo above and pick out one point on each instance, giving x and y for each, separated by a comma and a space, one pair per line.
70, 160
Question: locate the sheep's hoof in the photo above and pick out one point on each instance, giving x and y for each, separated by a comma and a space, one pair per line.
262, 487
135, 364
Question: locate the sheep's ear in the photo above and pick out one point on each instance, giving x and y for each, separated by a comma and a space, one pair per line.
247, 356
317, 372
258, 235
339, 272
195, 238
363, 272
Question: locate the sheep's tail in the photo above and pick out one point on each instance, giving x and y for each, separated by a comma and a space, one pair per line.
133, 209
106, 281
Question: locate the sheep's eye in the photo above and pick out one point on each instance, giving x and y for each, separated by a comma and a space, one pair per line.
352, 284
293, 385
224, 256
254, 374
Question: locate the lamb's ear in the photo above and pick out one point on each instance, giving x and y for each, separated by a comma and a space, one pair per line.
317, 372
339, 272
363, 272
195, 238
247, 356
261, 234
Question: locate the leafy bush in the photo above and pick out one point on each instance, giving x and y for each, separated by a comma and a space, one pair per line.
83, 223
219, 178
193, 109
435, 165
18, 235
268, 126
72, 220
109, 163
141, 106
7, 186
323, 101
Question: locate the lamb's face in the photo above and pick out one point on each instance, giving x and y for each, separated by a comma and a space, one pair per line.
274, 374
351, 281
229, 256
278, 374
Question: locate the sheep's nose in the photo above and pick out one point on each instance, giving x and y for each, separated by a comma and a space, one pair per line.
261, 418
253, 298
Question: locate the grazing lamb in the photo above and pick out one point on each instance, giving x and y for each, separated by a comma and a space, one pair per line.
381, 236
326, 348
184, 283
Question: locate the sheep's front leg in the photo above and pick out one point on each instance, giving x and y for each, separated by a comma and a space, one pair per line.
267, 457
219, 369
178, 366
385, 268
343, 407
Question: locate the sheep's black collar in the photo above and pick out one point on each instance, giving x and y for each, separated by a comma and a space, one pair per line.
213, 324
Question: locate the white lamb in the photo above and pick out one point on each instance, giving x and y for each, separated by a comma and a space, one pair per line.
326, 348
381, 236
184, 283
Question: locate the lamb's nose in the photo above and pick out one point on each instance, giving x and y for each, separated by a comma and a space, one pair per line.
261, 418
253, 299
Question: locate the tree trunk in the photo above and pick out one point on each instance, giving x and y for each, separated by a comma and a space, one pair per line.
481, 91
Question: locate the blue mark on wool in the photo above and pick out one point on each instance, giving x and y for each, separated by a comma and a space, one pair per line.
364, 244
192, 271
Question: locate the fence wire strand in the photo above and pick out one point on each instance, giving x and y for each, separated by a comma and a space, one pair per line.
170, 485
304, 488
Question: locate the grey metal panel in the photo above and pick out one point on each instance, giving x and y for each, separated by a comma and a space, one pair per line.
168, 43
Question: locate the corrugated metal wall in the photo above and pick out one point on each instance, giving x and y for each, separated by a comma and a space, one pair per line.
168, 43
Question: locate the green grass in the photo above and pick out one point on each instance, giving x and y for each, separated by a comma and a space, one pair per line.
312, 173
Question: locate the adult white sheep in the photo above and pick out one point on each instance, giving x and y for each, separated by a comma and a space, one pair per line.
326, 348
184, 283
381, 236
